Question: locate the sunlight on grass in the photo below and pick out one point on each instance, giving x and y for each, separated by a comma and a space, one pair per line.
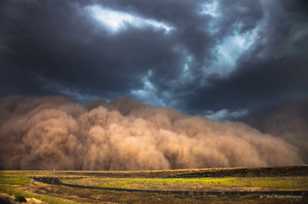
19, 183
278, 183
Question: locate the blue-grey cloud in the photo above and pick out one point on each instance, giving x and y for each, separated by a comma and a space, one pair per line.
197, 56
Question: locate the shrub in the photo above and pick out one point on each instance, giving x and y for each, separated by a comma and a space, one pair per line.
20, 198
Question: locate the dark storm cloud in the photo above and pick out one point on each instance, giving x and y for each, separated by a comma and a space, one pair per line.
258, 84
54, 42
273, 71
59, 43
255, 51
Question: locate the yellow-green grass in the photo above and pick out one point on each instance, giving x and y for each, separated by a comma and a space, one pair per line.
20, 183
16, 185
206, 172
197, 184
17, 191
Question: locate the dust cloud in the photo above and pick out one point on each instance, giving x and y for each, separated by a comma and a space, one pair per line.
58, 133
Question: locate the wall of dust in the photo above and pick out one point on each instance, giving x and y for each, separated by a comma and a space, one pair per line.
57, 133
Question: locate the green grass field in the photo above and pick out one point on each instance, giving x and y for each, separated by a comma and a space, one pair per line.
255, 186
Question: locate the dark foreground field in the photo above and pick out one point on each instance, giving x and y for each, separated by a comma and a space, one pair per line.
221, 186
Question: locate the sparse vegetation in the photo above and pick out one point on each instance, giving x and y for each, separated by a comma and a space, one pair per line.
156, 186
20, 198
199, 184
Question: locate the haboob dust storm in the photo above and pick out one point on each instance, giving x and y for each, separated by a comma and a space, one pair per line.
58, 133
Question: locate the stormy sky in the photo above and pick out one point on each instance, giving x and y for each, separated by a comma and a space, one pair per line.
218, 58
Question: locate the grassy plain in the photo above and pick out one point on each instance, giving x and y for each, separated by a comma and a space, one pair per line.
237, 185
